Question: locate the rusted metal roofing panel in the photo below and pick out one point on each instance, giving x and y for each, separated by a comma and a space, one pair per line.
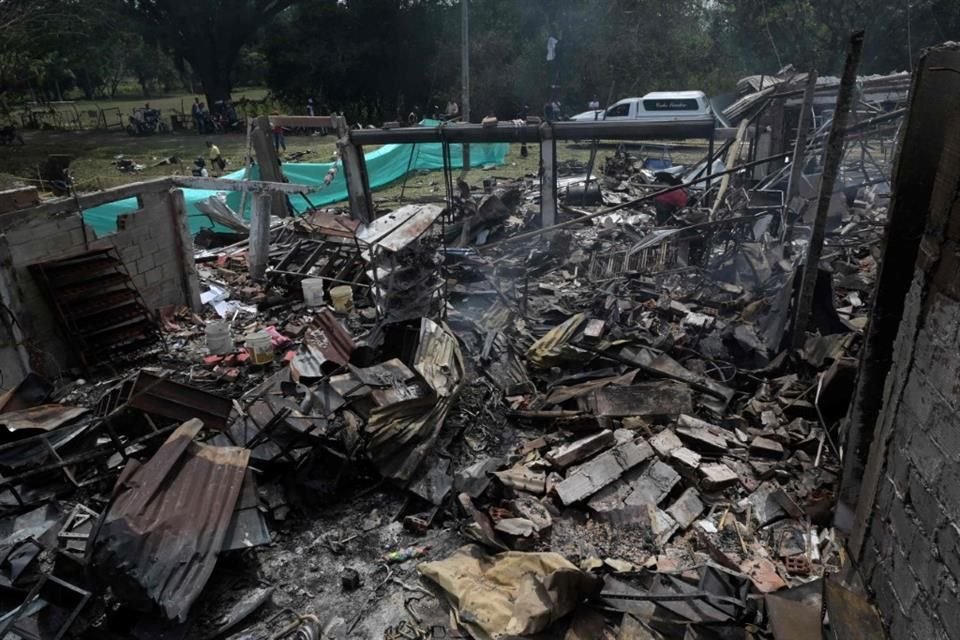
46, 417
399, 228
155, 395
336, 344
158, 542
329, 224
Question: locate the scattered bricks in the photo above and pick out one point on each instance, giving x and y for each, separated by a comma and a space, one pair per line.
570, 453
590, 477
766, 448
229, 374
687, 508
686, 461
212, 360
636, 423
702, 439
797, 565
289, 356
243, 357
654, 485
665, 442
718, 476
924, 504
532, 445
294, 330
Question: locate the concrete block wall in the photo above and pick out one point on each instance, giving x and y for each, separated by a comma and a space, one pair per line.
910, 552
149, 242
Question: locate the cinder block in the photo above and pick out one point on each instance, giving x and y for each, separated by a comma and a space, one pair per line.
905, 583
944, 429
917, 397
948, 610
903, 528
925, 455
153, 276
925, 504
948, 544
948, 492
943, 317
146, 263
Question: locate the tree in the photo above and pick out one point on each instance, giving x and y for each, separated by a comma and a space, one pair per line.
209, 36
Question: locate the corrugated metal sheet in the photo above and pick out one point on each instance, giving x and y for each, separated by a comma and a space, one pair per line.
326, 348
401, 434
158, 542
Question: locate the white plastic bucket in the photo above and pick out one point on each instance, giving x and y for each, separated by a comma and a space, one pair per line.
313, 292
219, 340
259, 347
342, 298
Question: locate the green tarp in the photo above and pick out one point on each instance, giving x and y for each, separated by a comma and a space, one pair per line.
385, 165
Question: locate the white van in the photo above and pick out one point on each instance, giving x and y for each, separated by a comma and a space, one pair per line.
659, 106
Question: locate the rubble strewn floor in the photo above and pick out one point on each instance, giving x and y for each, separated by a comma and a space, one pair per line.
613, 406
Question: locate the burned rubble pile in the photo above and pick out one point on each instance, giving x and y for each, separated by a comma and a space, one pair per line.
449, 421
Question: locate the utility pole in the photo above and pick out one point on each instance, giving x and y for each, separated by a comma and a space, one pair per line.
465, 78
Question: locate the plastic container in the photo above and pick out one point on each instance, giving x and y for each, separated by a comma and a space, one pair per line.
260, 347
219, 340
313, 292
342, 298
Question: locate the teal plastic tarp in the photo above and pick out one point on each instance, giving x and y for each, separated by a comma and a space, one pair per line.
384, 165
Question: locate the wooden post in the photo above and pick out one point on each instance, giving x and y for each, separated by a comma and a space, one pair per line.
831, 166
548, 181
269, 163
355, 174
259, 247
803, 128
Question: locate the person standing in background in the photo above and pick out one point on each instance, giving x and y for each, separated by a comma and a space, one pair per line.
279, 140
217, 162
310, 111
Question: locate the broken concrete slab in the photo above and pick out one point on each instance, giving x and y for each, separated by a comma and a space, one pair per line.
718, 475
686, 508
665, 442
573, 452
647, 485
662, 399
585, 480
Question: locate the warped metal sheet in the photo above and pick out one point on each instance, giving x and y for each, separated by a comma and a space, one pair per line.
401, 434
158, 542
399, 228
46, 417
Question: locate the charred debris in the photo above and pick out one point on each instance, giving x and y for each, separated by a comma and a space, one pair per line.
454, 422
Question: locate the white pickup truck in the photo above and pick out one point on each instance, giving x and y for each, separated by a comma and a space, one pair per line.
659, 106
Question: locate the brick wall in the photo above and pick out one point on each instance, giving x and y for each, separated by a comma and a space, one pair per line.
150, 242
910, 529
